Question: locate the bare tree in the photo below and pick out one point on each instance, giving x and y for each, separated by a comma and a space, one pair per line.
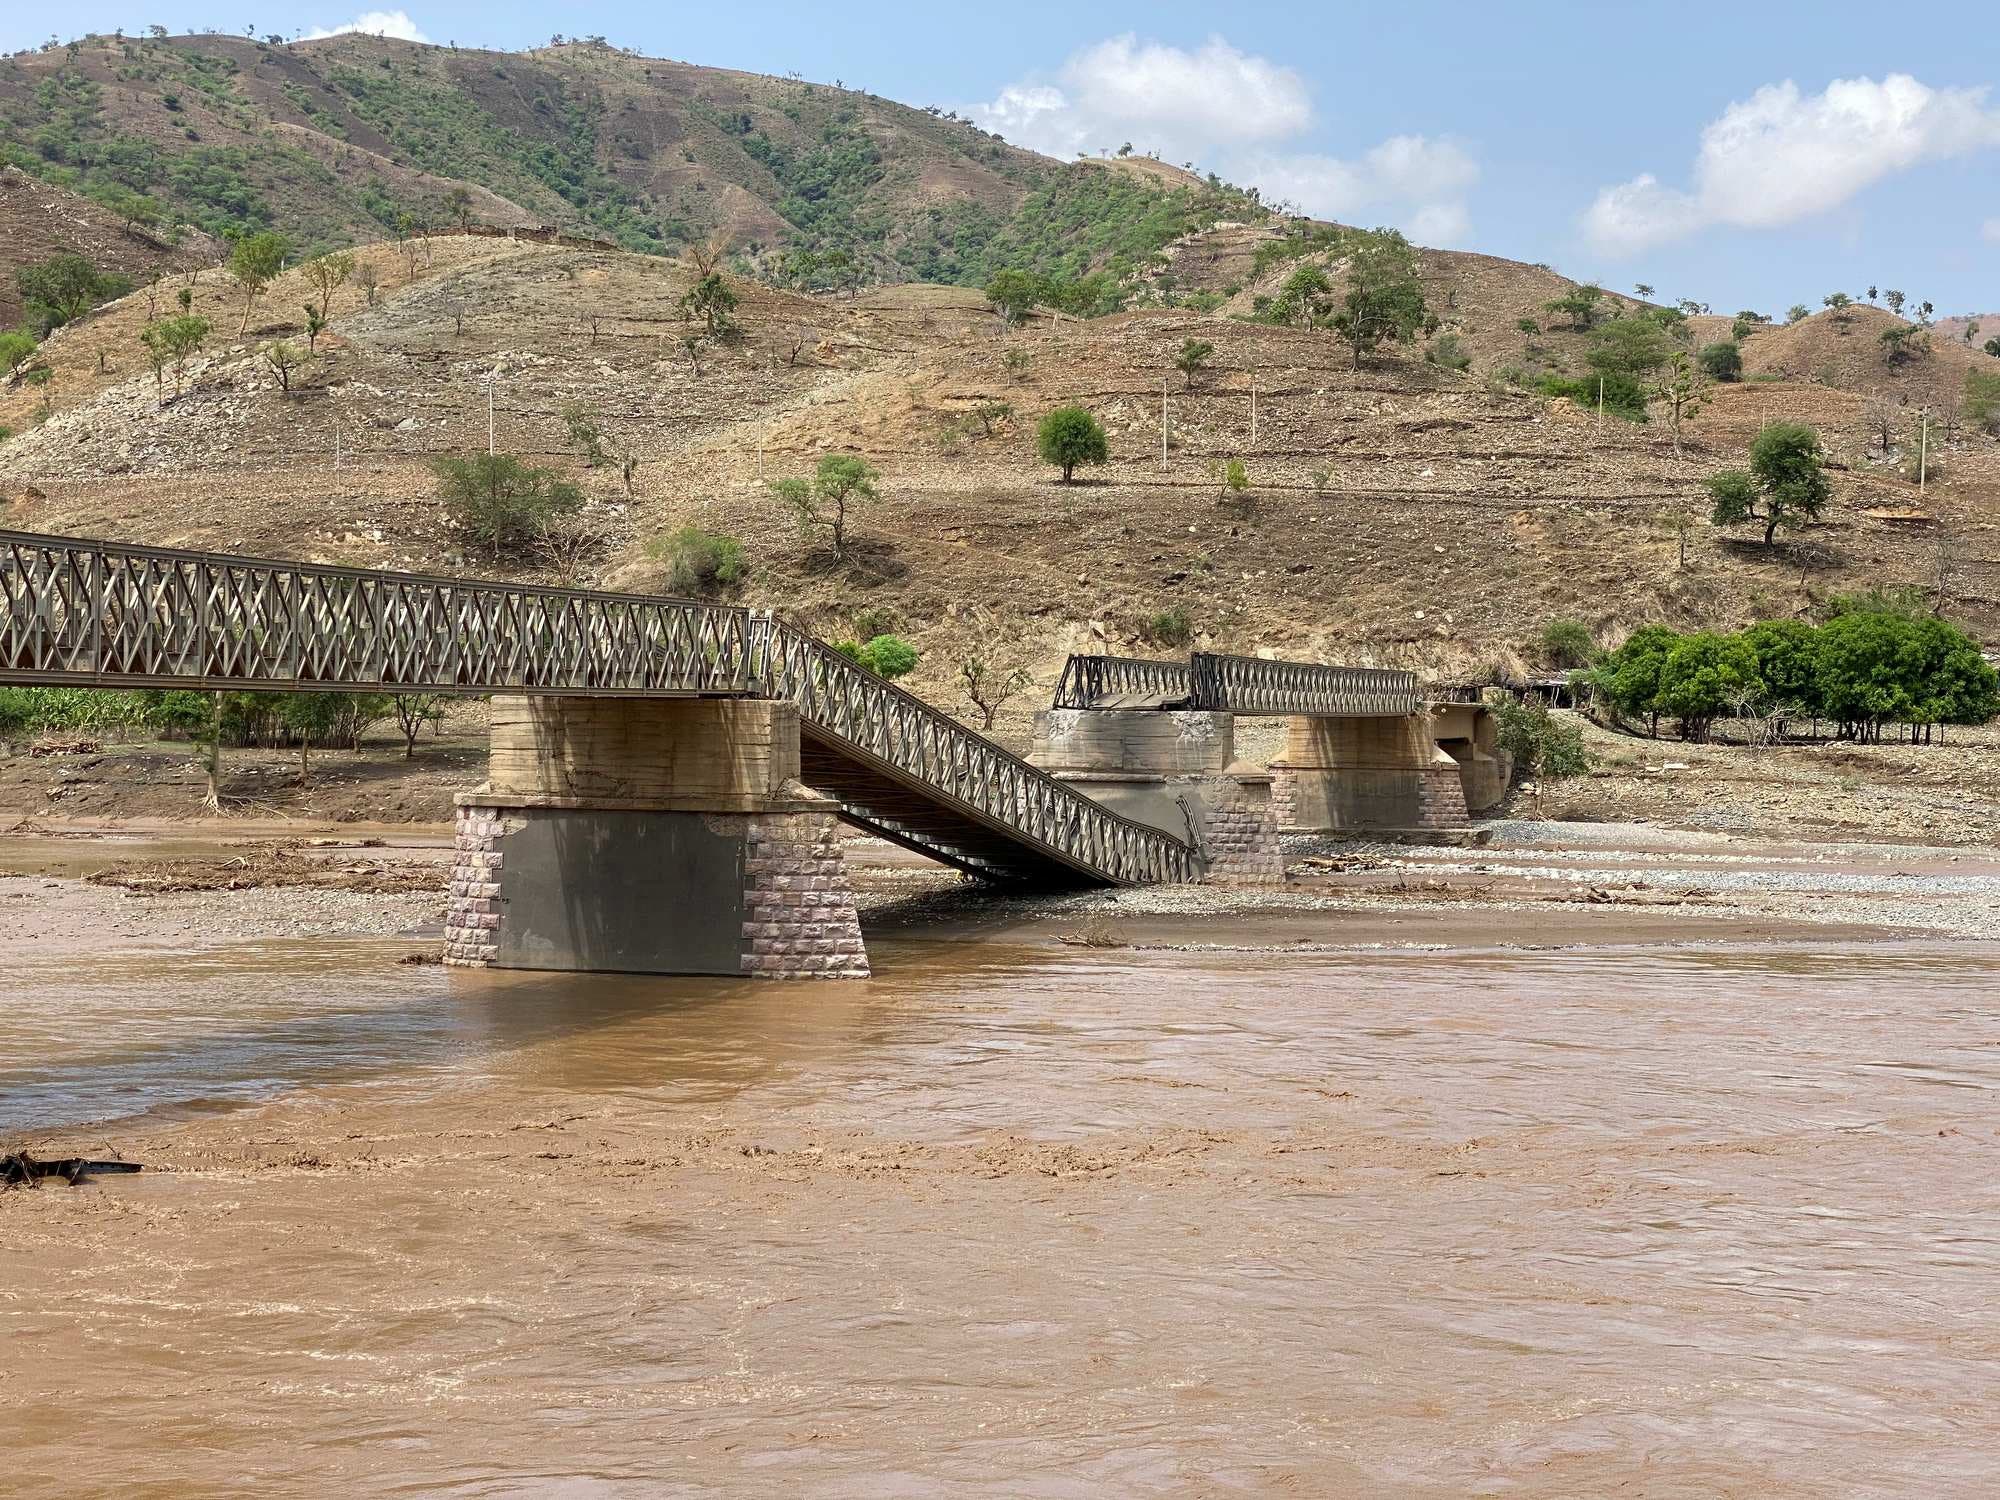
988, 687
413, 711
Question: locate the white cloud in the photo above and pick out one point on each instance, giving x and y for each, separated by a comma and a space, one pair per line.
1160, 97
1990, 231
1230, 110
390, 23
1781, 156
1412, 181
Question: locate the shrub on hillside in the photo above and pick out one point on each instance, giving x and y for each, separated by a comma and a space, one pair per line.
15, 347
1785, 485
885, 655
1543, 746
65, 287
1568, 643
1722, 362
700, 564
1982, 400
1170, 627
498, 504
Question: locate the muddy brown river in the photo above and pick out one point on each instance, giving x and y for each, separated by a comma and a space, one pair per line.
1703, 1217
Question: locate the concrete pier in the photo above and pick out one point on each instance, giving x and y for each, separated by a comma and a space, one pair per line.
650, 835
1345, 774
1175, 770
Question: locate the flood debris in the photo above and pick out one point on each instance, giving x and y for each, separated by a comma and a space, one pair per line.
19, 1169
266, 866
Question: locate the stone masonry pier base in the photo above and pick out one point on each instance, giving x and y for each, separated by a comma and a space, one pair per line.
650, 835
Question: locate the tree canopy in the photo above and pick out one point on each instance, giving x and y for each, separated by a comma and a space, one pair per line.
1785, 485
1070, 436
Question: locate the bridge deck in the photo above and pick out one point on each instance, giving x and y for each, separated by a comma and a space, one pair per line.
105, 614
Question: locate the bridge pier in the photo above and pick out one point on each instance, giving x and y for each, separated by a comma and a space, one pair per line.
1345, 774
650, 835
1175, 770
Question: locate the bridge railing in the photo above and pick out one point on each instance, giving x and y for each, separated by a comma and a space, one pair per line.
917, 743
1253, 685
1088, 681
107, 614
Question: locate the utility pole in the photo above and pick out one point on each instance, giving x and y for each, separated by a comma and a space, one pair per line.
1923, 450
1163, 420
1253, 413
1600, 403
489, 416
336, 446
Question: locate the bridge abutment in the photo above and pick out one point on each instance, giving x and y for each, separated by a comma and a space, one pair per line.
1341, 775
1174, 770
651, 835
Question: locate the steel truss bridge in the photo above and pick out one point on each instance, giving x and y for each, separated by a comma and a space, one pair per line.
103, 614
1238, 685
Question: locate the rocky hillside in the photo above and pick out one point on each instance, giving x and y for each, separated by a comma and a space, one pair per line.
1405, 513
38, 219
345, 140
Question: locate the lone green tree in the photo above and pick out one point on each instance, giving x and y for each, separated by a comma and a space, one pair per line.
1013, 294
840, 484
1579, 305
1302, 299
1683, 389
1194, 354
1785, 485
711, 301
65, 287
1384, 302
1722, 362
327, 274
1070, 436
255, 263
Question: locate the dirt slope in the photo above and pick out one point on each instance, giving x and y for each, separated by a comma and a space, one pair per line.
38, 220
1403, 513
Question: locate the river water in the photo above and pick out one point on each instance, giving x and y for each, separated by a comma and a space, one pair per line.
1014, 1218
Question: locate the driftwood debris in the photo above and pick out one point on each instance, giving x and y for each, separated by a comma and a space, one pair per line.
18, 1169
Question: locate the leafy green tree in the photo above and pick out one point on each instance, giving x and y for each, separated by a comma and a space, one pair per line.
1194, 354
458, 202
700, 564
1703, 676
174, 341
327, 274
1895, 299
585, 432
1542, 746
1302, 298
287, 362
1992, 347
1798, 313
1628, 346
412, 711
498, 504
1069, 436
1838, 303
310, 718
1787, 654
1384, 302
1629, 678
1722, 362
888, 656
1580, 305
1982, 399
711, 300
1786, 484
1013, 294
255, 263
840, 483
65, 287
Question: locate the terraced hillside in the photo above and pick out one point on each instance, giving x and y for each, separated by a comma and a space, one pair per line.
1405, 513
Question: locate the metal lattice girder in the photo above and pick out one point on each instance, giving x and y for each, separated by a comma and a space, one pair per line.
877, 731
1236, 684
108, 615
1252, 685
1123, 682
102, 614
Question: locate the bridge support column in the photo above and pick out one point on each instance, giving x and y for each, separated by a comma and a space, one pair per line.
650, 835
1175, 770
1340, 775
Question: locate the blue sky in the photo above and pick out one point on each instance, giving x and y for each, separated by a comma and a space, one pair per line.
1753, 155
